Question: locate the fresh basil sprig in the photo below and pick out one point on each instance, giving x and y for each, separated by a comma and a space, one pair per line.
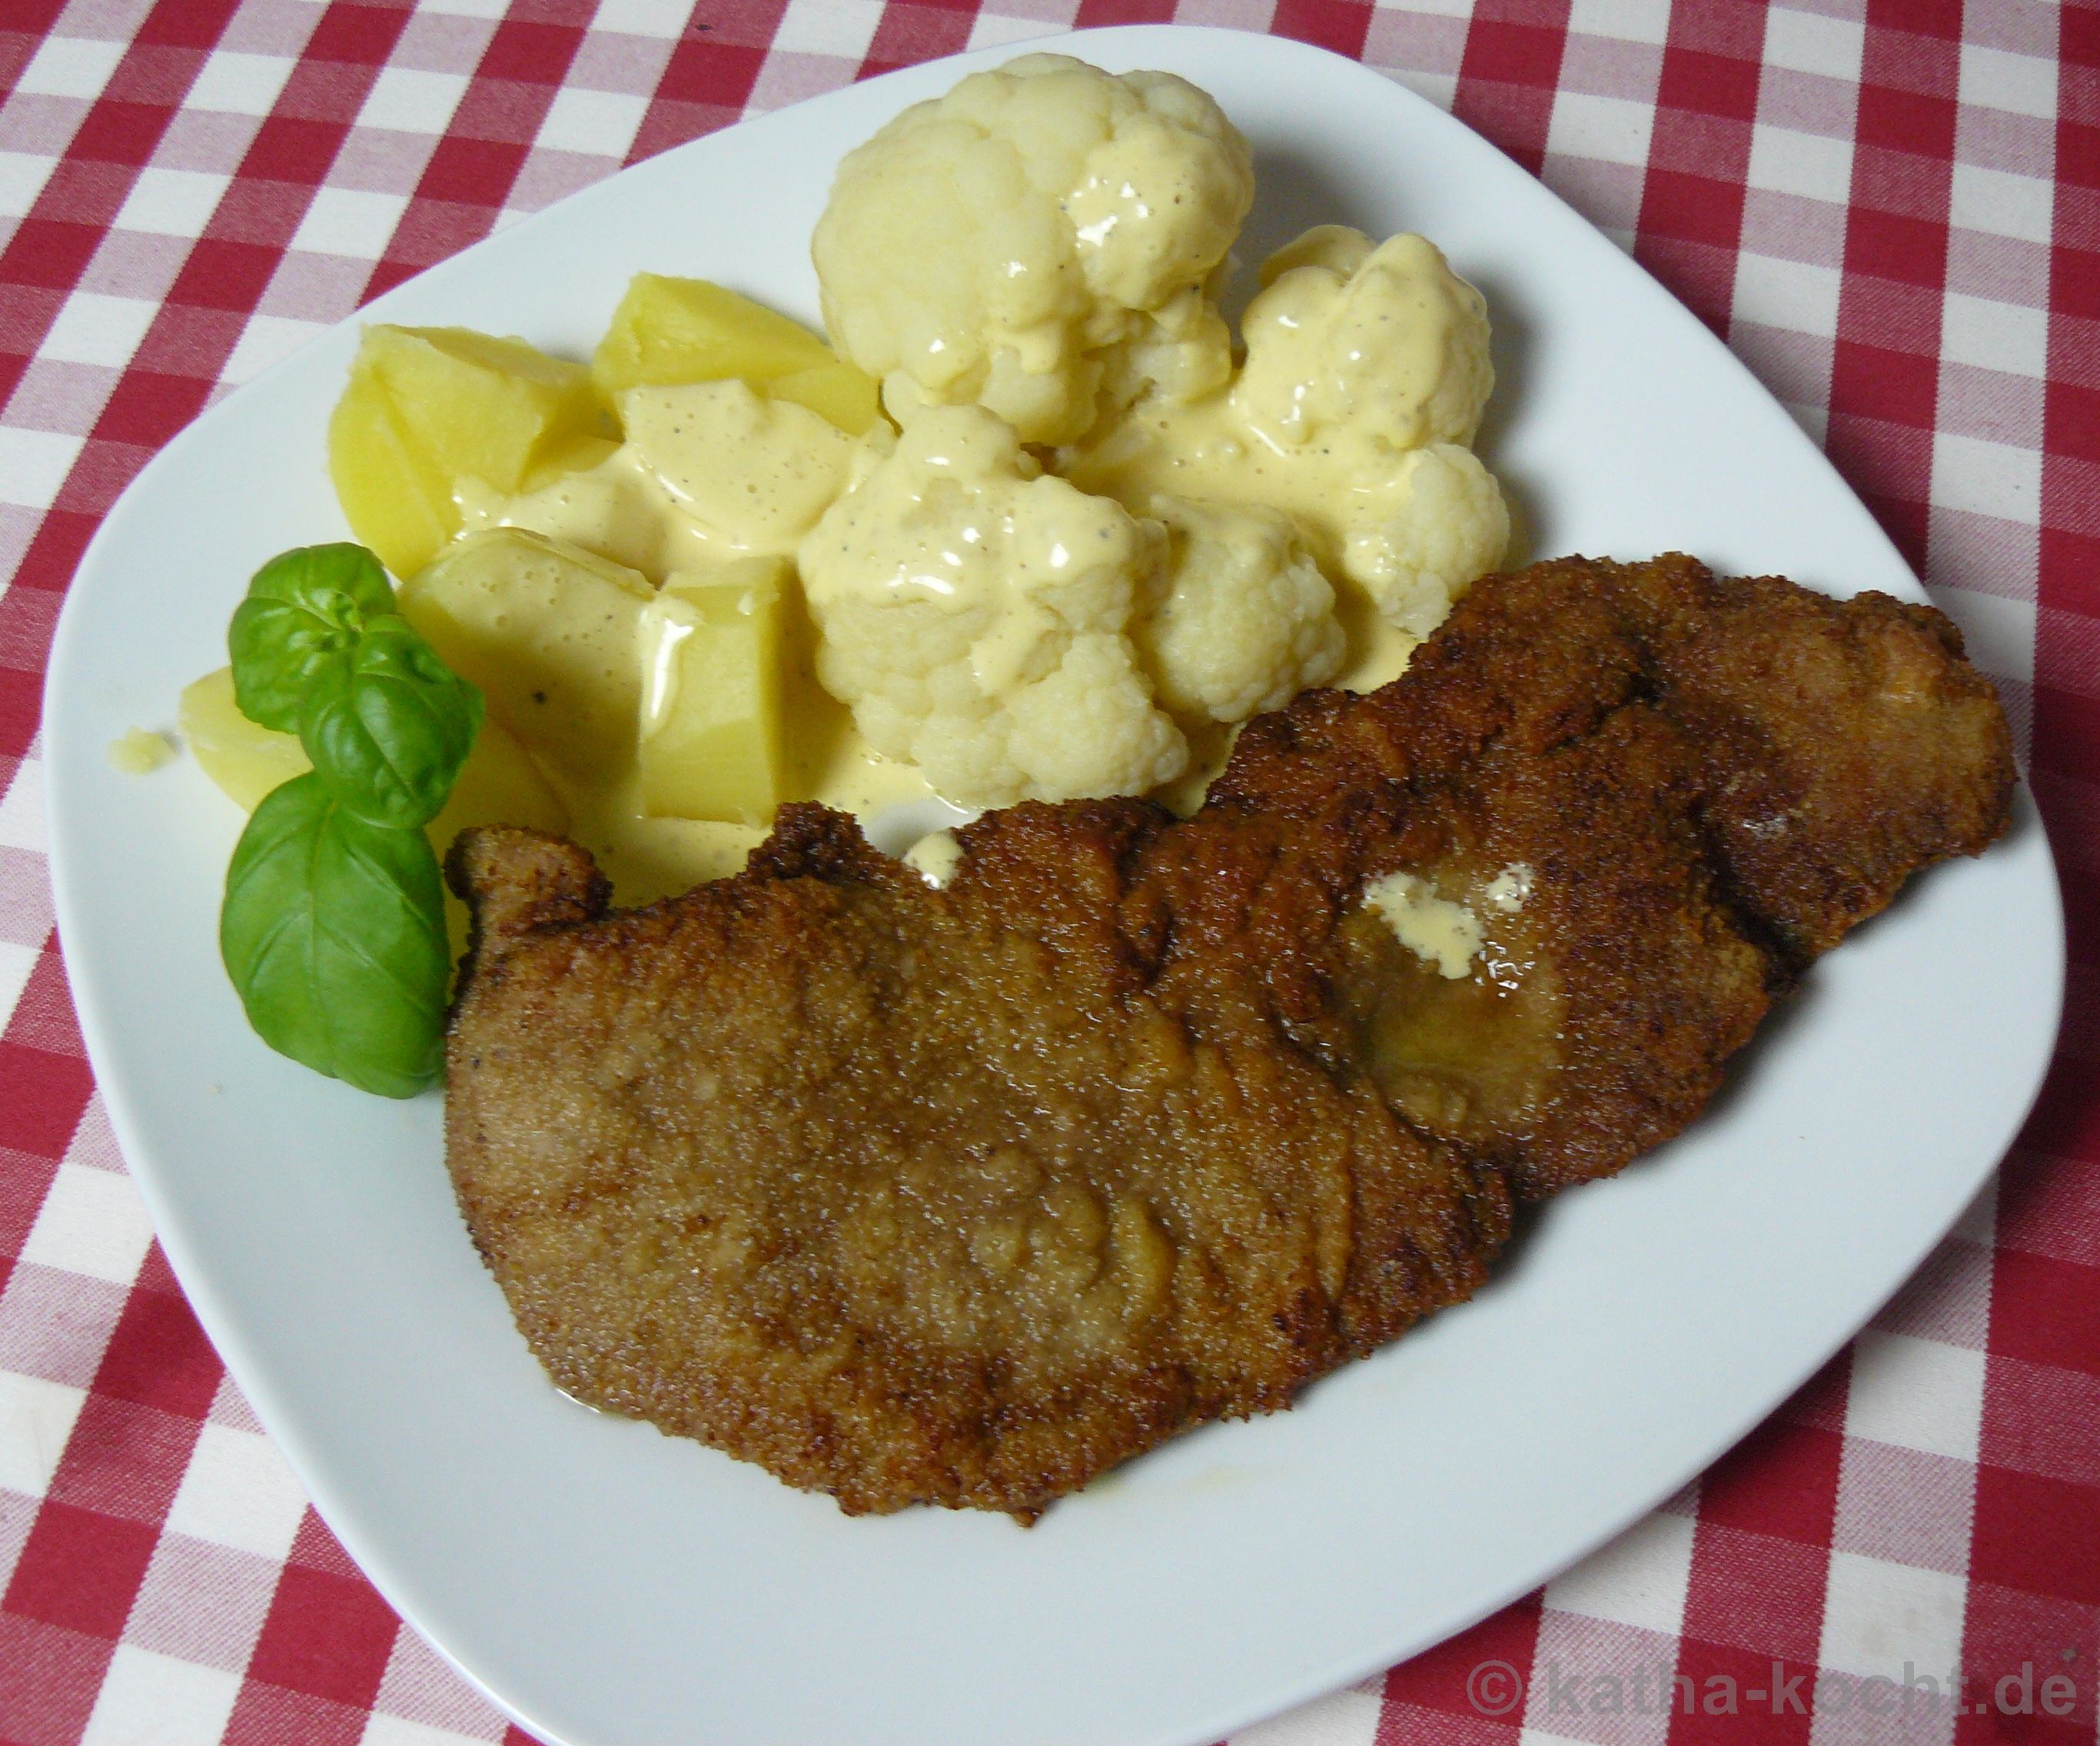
390, 731
304, 611
334, 931
333, 925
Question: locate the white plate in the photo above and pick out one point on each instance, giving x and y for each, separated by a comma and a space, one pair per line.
607, 1585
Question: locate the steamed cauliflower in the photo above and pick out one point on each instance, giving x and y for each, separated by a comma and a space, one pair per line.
1445, 525
1384, 348
1043, 234
1034, 261
974, 613
1366, 371
1246, 621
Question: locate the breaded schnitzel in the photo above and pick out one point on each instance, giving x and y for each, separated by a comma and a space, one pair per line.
964, 1195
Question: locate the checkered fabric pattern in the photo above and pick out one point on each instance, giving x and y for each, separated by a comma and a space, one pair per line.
1891, 210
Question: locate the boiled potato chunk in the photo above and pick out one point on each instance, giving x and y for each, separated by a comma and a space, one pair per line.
427, 407
850, 398
548, 631
711, 664
244, 760
493, 409
497, 785
392, 498
669, 332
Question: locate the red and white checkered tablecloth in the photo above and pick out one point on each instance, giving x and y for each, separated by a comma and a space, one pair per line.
1890, 209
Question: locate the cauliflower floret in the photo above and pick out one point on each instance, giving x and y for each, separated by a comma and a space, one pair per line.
1089, 726
974, 613
1443, 525
1366, 371
1040, 230
1386, 343
1245, 622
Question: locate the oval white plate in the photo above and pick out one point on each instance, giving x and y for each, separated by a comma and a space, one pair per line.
608, 1585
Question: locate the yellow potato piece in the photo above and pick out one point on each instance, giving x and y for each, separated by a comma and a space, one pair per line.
392, 499
850, 399
477, 405
426, 407
711, 717
580, 456
244, 760
548, 631
499, 784
667, 332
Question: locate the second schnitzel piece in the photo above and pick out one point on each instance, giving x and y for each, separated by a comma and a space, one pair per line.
1710, 781
964, 1195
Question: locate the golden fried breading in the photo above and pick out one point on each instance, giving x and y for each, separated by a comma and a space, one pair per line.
1713, 781
919, 1196
964, 1195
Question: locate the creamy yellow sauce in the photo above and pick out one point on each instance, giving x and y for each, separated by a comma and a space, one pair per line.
140, 752
615, 508
1445, 934
638, 508
1378, 651
1208, 452
1509, 891
755, 472
1441, 931
933, 857
708, 473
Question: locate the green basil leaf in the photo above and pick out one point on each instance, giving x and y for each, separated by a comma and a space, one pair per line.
301, 619
333, 933
390, 730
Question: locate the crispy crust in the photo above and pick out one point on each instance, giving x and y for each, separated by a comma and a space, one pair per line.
963, 1197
